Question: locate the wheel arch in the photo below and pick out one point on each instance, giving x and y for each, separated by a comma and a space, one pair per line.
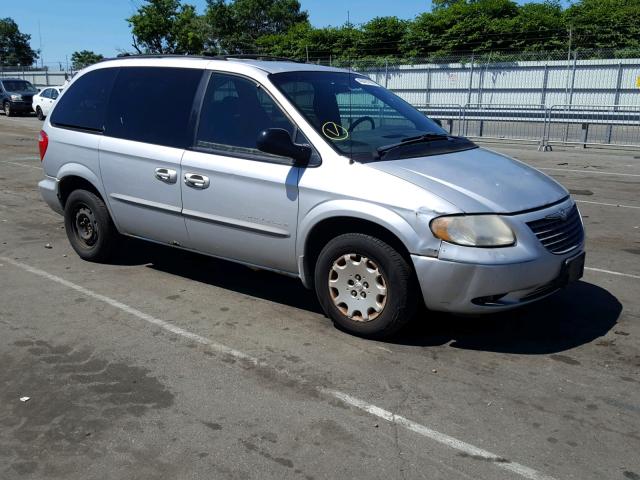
73, 176
370, 219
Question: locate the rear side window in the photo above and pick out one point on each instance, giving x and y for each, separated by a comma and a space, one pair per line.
153, 105
84, 105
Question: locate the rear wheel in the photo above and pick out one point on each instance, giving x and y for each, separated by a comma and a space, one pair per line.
365, 286
89, 227
7, 109
39, 113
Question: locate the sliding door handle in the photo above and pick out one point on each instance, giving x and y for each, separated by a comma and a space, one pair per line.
195, 180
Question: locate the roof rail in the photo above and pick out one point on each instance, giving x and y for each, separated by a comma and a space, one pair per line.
239, 56
253, 56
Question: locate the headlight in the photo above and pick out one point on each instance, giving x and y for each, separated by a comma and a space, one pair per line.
473, 230
16, 98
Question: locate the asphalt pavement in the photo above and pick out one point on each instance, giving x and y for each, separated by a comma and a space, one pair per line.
166, 364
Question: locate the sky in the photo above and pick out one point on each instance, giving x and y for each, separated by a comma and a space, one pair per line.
60, 27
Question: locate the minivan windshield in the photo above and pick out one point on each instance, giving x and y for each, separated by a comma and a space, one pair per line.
363, 120
18, 86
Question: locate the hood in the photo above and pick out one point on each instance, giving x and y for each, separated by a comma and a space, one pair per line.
478, 180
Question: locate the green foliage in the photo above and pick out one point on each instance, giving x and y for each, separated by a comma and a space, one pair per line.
14, 45
166, 26
237, 26
84, 58
605, 24
481, 28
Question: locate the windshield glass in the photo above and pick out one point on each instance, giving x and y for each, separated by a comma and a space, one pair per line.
18, 86
354, 114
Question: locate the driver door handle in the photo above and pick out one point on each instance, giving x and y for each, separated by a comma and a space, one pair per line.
166, 175
195, 180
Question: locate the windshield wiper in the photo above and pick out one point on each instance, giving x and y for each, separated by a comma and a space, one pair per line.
426, 137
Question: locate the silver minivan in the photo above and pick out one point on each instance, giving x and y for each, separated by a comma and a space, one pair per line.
314, 172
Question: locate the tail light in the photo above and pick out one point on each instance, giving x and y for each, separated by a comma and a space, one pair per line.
43, 143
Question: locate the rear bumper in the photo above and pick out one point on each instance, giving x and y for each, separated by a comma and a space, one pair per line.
49, 191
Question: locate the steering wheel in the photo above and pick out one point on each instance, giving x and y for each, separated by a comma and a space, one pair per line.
366, 118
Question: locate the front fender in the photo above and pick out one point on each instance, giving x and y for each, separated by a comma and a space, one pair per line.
414, 239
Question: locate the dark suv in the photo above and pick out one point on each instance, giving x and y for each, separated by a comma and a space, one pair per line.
16, 96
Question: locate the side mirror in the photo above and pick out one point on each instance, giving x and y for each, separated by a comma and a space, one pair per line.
277, 141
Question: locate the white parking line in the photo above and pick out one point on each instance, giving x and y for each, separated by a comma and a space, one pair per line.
611, 272
22, 165
443, 439
590, 172
607, 204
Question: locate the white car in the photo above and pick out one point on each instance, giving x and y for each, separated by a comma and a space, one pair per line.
43, 101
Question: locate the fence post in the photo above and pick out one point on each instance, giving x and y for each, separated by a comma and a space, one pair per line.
616, 100
573, 82
471, 79
545, 80
585, 133
428, 95
386, 73
573, 77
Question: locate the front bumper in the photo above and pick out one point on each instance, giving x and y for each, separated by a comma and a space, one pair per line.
49, 190
482, 280
468, 288
21, 107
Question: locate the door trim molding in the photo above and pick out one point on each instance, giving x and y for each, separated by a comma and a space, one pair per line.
146, 203
239, 224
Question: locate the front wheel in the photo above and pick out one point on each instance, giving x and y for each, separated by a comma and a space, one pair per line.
89, 227
365, 286
39, 113
7, 109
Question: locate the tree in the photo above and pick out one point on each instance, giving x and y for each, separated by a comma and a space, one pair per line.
14, 45
605, 23
84, 58
166, 26
382, 36
235, 27
462, 26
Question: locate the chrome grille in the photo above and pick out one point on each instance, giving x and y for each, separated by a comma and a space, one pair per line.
559, 234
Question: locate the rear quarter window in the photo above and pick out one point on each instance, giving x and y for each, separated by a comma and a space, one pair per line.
153, 105
84, 105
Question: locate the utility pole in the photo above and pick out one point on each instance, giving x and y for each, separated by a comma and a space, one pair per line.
40, 39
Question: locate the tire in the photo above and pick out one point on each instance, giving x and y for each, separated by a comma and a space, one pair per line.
7, 109
89, 227
39, 113
380, 268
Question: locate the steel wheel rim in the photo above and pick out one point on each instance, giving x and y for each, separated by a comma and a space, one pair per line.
357, 287
85, 225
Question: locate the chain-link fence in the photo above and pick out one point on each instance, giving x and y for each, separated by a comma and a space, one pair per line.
573, 97
544, 79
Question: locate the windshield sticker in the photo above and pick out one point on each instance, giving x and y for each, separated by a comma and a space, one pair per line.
366, 81
335, 132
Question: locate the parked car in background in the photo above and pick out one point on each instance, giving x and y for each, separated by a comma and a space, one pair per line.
16, 96
43, 101
313, 172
